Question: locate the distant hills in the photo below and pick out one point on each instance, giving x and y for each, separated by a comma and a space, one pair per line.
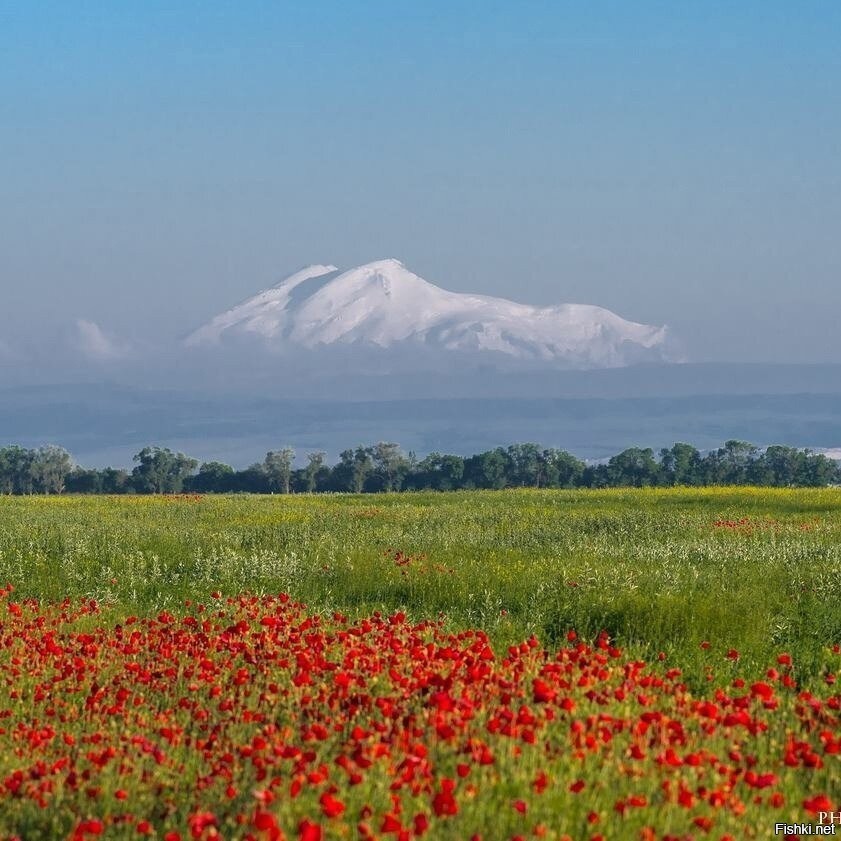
592, 414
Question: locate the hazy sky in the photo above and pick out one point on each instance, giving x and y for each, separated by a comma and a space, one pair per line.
678, 163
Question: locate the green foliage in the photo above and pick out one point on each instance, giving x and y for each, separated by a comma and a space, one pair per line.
159, 470
44, 470
278, 469
385, 468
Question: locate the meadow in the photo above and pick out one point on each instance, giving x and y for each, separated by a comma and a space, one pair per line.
652, 664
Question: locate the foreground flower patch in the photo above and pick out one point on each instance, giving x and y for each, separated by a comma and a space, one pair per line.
251, 718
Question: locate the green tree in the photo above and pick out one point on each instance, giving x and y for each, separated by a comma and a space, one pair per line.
8, 464
314, 470
487, 470
596, 476
213, 477
16, 473
278, 468
50, 466
821, 471
784, 466
526, 465
116, 481
439, 472
680, 465
159, 470
353, 470
729, 464
251, 480
390, 465
635, 467
562, 469
81, 481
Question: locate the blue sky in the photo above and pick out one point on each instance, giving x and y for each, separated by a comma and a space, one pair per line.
161, 161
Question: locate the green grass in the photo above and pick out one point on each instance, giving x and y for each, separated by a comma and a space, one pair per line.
648, 566
664, 572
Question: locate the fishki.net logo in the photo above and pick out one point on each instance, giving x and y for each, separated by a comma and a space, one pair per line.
828, 822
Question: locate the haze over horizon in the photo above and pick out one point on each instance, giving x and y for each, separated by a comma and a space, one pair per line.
674, 166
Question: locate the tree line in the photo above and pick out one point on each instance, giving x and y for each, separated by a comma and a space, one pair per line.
384, 467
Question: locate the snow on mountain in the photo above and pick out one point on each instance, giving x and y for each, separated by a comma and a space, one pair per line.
384, 305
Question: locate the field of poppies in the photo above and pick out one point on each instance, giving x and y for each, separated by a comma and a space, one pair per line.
590, 665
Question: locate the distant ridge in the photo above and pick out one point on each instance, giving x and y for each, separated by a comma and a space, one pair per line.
384, 306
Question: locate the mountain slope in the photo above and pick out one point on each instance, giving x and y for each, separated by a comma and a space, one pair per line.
384, 305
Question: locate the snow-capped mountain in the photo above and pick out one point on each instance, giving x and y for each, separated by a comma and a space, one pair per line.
383, 305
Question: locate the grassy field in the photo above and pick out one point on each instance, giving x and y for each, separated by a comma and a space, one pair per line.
711, 587
755, 570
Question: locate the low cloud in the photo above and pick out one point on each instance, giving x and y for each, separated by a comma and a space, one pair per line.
96, 344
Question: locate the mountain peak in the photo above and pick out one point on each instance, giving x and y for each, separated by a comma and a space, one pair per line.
315, 270
384, 305
383, 265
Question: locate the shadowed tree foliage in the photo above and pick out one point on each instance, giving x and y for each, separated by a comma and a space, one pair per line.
315, 473
438, 473
16, 475
488, 470
354, 467
634, 467
384, 467
680, 465
563, 470
212, 476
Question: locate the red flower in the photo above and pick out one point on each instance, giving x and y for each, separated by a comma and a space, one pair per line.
331, 807
542, 692
818, 803
200, 821
265, 821
444, 803
391, 824
309, 831
89, 827
760, 689
420, 823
